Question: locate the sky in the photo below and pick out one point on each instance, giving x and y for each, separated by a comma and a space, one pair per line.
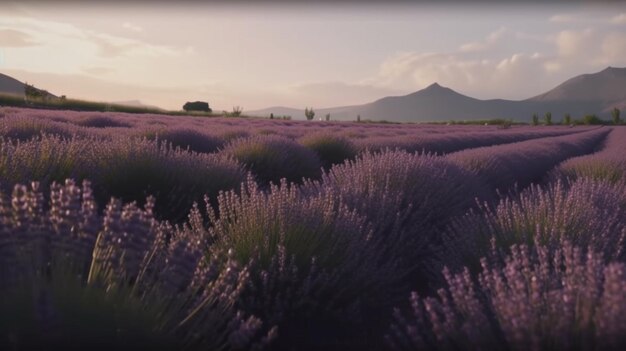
321, 54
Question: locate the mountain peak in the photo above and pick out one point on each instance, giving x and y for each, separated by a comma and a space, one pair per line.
435, 85
606, 85
613, 70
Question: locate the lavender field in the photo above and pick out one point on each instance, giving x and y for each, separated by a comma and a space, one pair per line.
140, 231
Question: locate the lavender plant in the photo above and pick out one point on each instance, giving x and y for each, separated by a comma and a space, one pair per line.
586, 213
99, 120
331, 149
535, 299
272, 157
128, 168
407, 198
314, 269
25, 128
69, 279
187, 139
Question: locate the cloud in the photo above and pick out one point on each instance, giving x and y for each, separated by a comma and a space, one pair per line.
53, 34
485, 44
97, 70
484, 78
571, 43
590, 47
564, 18
483, 70
614, 48
12, 38
619, 19
132, 27
113, 46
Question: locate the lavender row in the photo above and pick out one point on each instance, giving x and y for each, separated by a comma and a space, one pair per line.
320, 269
208, 135
586, 213
127, 168
523, 163
541, 270
607, 164
533, 299
70, 278
452, 142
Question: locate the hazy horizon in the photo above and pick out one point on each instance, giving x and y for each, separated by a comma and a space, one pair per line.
321, 55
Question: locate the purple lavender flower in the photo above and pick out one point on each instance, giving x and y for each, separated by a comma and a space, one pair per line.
533, 299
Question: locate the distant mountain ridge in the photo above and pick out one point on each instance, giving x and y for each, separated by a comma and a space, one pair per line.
596, 93
606, 85
10, 85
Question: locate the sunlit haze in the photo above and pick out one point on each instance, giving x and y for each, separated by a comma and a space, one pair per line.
320, 55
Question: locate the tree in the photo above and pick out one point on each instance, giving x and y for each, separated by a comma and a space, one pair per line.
358, 118
567, 119
309, 113
271, 116
591, 119
327, 117
615, 113
34, 93
236, 111
535, 119
197, 106
548, 118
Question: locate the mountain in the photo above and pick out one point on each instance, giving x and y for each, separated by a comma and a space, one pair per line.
596, 93
12, 86
434, 103
608, 85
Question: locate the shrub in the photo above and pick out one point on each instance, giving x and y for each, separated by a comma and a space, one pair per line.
592, 119
236, 111
407, 198
535, 120
98, 121
71, 279
272, 157
233, 134
615, 112
586, 213
548, 118
537, 299
331, 149
197, 106
567, 120
309, 114
186, 139
314, 268
596, 168
24, 128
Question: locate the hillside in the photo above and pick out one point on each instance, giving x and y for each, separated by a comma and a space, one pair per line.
595, 93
